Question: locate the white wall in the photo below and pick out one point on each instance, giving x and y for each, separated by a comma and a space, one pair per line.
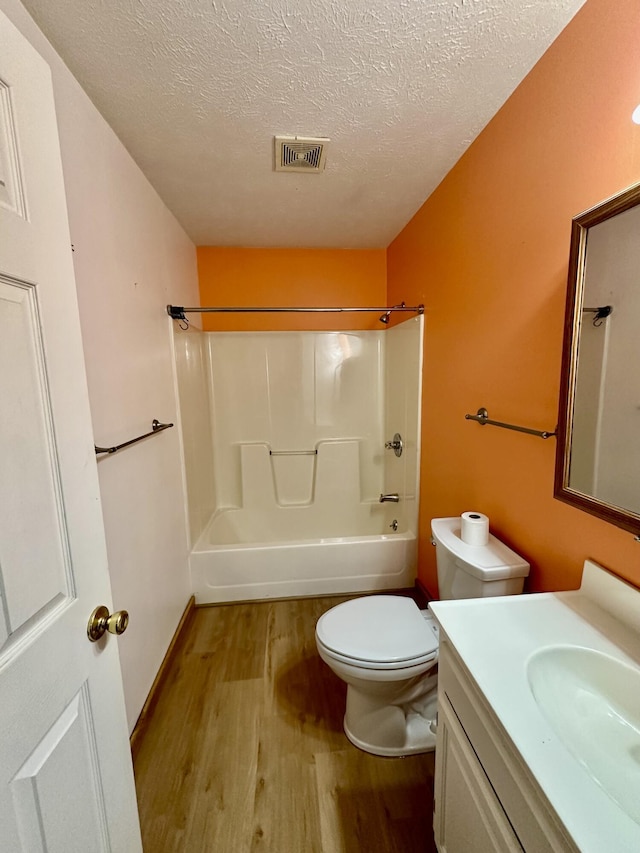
131, 259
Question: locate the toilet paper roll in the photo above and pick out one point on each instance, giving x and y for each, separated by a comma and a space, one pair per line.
475, 528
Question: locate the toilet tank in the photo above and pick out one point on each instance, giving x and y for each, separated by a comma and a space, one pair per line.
475, 571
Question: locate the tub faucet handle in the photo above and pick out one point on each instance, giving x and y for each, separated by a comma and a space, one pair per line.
394, 498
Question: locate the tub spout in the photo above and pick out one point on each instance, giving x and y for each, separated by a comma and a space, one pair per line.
394, 498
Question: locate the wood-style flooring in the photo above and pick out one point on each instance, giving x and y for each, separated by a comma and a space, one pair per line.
245, 750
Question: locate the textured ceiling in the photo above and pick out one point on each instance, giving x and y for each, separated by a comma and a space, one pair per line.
196, 90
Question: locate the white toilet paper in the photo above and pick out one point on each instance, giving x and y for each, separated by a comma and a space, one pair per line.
475, 528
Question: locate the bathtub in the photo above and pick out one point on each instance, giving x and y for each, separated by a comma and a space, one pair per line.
247, 554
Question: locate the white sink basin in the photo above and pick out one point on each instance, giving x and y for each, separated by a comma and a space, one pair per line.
592, 702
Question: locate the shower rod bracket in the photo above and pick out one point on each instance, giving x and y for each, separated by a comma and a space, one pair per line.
600, 314
176, 312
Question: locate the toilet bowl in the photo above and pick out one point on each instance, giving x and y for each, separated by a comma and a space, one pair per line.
386, 649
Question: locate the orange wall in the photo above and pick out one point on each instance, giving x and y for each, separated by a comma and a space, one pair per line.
487, 254
295, 278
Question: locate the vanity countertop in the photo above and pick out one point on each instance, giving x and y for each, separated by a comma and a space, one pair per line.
496, 637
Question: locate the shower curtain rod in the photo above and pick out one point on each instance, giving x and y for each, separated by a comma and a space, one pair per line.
177, 312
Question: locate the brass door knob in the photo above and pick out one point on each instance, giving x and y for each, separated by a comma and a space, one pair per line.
100, 621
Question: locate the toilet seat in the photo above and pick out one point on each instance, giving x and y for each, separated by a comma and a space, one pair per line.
354, 633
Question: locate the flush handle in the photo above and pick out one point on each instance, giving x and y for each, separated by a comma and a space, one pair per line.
101, 621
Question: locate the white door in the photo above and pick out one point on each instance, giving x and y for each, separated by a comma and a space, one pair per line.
66, 781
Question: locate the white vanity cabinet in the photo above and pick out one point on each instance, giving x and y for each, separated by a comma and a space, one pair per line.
485, 799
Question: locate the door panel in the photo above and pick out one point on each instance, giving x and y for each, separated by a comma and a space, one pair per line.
67, 751
35, 573
66, 779
11, 184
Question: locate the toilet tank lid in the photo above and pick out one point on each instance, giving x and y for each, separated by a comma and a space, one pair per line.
494, 561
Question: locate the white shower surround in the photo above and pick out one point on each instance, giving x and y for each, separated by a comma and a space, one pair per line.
300, 524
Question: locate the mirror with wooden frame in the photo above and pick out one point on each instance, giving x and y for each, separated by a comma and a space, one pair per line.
598, 457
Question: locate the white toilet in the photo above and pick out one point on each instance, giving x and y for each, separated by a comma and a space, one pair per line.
386, 649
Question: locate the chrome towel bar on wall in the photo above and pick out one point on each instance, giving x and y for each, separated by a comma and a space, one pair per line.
156, 427
482, 417
293, 453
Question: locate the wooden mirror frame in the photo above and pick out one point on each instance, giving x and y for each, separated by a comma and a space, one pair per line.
573, 319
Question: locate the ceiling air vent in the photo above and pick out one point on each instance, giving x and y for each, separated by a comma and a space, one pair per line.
300, 153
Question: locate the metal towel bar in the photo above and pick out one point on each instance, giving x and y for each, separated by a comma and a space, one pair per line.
156, 427
482, 417
293, 453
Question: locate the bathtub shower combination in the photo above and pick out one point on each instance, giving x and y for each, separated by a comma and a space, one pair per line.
284, 439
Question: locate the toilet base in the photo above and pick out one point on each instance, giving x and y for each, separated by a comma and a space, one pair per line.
393, 729
420, 739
